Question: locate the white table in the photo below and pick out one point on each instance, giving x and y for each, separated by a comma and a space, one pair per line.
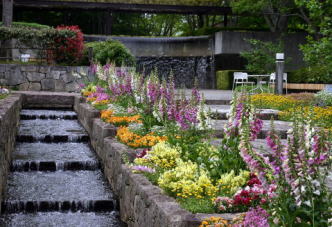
259, 79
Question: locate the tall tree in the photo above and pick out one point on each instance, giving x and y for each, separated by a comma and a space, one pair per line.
275, 12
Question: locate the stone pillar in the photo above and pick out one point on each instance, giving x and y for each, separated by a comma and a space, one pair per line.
280, 66
7, 12
7, 19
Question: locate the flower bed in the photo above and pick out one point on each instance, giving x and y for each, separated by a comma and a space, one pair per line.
303, 103
171, 135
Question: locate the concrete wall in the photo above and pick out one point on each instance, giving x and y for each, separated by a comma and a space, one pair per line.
233, 43
42, 78
162, 47
187, 58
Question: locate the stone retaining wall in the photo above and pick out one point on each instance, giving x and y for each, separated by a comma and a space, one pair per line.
10, 108
42, 77
141, 202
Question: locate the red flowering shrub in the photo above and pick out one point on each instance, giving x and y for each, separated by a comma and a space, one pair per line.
69, 49
250, 196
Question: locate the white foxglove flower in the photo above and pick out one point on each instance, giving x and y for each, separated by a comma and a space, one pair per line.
317, 192
308, 203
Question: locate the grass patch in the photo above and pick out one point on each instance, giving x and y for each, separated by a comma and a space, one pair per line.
2, 96
152, 177
101, 107
195, 205
249, 89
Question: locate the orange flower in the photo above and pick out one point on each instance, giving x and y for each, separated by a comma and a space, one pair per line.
87, 93
135, 140
109, 117
91, 99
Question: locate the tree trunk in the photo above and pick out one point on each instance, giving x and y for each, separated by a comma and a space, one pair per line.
108, 22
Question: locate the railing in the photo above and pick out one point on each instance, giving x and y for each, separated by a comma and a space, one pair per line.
25, 55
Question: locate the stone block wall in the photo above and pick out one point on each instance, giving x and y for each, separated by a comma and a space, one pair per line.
10, 108
184, 69
42, 78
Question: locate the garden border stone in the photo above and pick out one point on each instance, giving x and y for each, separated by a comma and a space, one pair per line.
9, 119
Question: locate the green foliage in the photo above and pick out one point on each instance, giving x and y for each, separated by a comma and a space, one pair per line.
314, 74
261, 57
318, 50
110, 51
249, 89
195, 205
318, 55
28, 25
275, 12
2, 96
35, 38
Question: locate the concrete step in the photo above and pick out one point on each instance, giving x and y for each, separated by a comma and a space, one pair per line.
31, 114
219, 112
26, 166
57, 186
60, 219
9, 207
281, 128
258, 144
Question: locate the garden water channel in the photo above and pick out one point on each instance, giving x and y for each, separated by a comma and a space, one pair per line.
55, 178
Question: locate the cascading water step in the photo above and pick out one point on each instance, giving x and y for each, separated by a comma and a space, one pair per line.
57, 186
58, 219
55, 178
53, 151
60, 206
52, 138
41, 128
32, 114
21, 165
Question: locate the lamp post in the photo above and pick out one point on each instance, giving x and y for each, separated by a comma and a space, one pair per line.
280, 66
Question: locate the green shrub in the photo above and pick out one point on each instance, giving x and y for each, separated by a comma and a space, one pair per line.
261, 56
28, 25
308, 75
33, 37
109, 51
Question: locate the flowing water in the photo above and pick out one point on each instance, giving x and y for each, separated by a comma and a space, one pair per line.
55, 178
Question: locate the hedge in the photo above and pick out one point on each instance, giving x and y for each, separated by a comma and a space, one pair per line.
28, 25
224, 79
35, 38
306, 75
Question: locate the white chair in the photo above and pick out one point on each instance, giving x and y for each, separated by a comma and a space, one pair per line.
273, 79
240, 78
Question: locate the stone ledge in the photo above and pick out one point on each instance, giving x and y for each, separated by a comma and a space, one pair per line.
141, 202
9, 119
56, 100
43, 77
